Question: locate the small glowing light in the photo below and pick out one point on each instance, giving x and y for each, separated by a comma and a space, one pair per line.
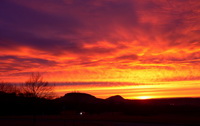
143, 97
82, 113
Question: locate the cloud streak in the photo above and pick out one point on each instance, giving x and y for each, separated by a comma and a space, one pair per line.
108, 38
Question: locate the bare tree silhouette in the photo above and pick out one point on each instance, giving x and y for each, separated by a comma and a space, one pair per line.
8, 88
35, 86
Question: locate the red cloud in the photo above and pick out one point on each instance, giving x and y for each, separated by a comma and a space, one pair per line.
106, 35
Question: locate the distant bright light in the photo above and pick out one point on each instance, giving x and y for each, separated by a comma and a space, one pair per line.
82, 113
143, 97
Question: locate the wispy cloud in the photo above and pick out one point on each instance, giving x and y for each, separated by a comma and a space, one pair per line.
108, 38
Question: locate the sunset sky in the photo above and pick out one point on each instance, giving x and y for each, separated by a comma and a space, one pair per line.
135, 48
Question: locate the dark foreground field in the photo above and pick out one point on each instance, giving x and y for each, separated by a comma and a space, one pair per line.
99, 120
17, 110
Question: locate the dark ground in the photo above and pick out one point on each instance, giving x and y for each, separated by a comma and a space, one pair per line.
99, 120
17, 110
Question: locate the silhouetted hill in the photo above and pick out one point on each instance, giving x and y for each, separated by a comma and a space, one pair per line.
84, 97
79, 102
116, 98
77, 97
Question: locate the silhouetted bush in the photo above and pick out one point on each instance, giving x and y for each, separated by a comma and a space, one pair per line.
37, 87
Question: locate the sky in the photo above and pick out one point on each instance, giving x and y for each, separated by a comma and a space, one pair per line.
150, 44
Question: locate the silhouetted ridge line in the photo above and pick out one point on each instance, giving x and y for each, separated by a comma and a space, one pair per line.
78, 97
116, 98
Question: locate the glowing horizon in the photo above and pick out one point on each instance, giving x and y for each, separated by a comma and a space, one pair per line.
133, 90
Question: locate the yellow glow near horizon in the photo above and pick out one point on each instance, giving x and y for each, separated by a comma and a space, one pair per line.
137, 91
144, 97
